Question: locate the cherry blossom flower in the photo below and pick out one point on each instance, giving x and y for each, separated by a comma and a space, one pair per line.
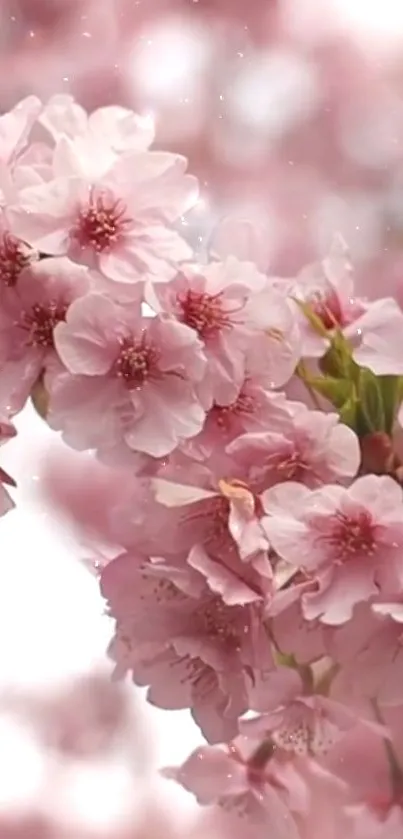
367, 824
376, 655
90, 144
349, 540
380, 338
131, 378
327, 289
307, 446
30, 313
234, 312
220, 533
15, 127
295, 717
248, 781
119, 223
15, 255
196, 650
253, 409
244, 238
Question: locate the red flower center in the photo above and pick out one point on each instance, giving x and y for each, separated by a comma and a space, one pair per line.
204, 313
14, 257
352, 535
328, 309
40, 322
225, 415
137, 362
101, 224
223, 624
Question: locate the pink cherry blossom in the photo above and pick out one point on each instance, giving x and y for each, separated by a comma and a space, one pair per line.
236, 314
375, 668
220, 534
30, 313
348, 540
90, 144
244, 238
249, 783
196, 649
307, 446
367, 824
15, 126
327, 288
253, 409
120, 223
15, 255
131, 378
380, 338
295, 717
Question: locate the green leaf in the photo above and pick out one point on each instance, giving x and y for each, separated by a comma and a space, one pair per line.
371, 402
336, 391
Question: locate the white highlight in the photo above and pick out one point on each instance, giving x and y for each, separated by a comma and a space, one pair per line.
22, 766
171, 60
273, 93
381, 20
98, 797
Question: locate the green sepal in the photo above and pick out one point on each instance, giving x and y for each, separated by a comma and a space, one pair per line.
370, 402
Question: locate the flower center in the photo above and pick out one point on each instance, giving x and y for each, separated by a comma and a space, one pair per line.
101, 224
223, 624
352, 535
204, 313
14, 257
40, 322
328, 309
137, 362
225, 415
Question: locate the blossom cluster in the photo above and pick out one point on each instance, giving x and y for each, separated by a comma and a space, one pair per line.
244, 439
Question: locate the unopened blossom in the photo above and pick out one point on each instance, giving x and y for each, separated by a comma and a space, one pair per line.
30, 312
131, 378
306, 446
237, 316
253, 787
349, 540
179, 638
119, 223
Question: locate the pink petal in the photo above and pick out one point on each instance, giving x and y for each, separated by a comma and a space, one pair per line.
381, 332
82, 341
210, 773
339, 593
233, 590
175, 495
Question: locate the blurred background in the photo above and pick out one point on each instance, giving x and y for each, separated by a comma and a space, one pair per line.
291, 115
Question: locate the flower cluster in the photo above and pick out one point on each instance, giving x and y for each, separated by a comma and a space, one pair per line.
246, 436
